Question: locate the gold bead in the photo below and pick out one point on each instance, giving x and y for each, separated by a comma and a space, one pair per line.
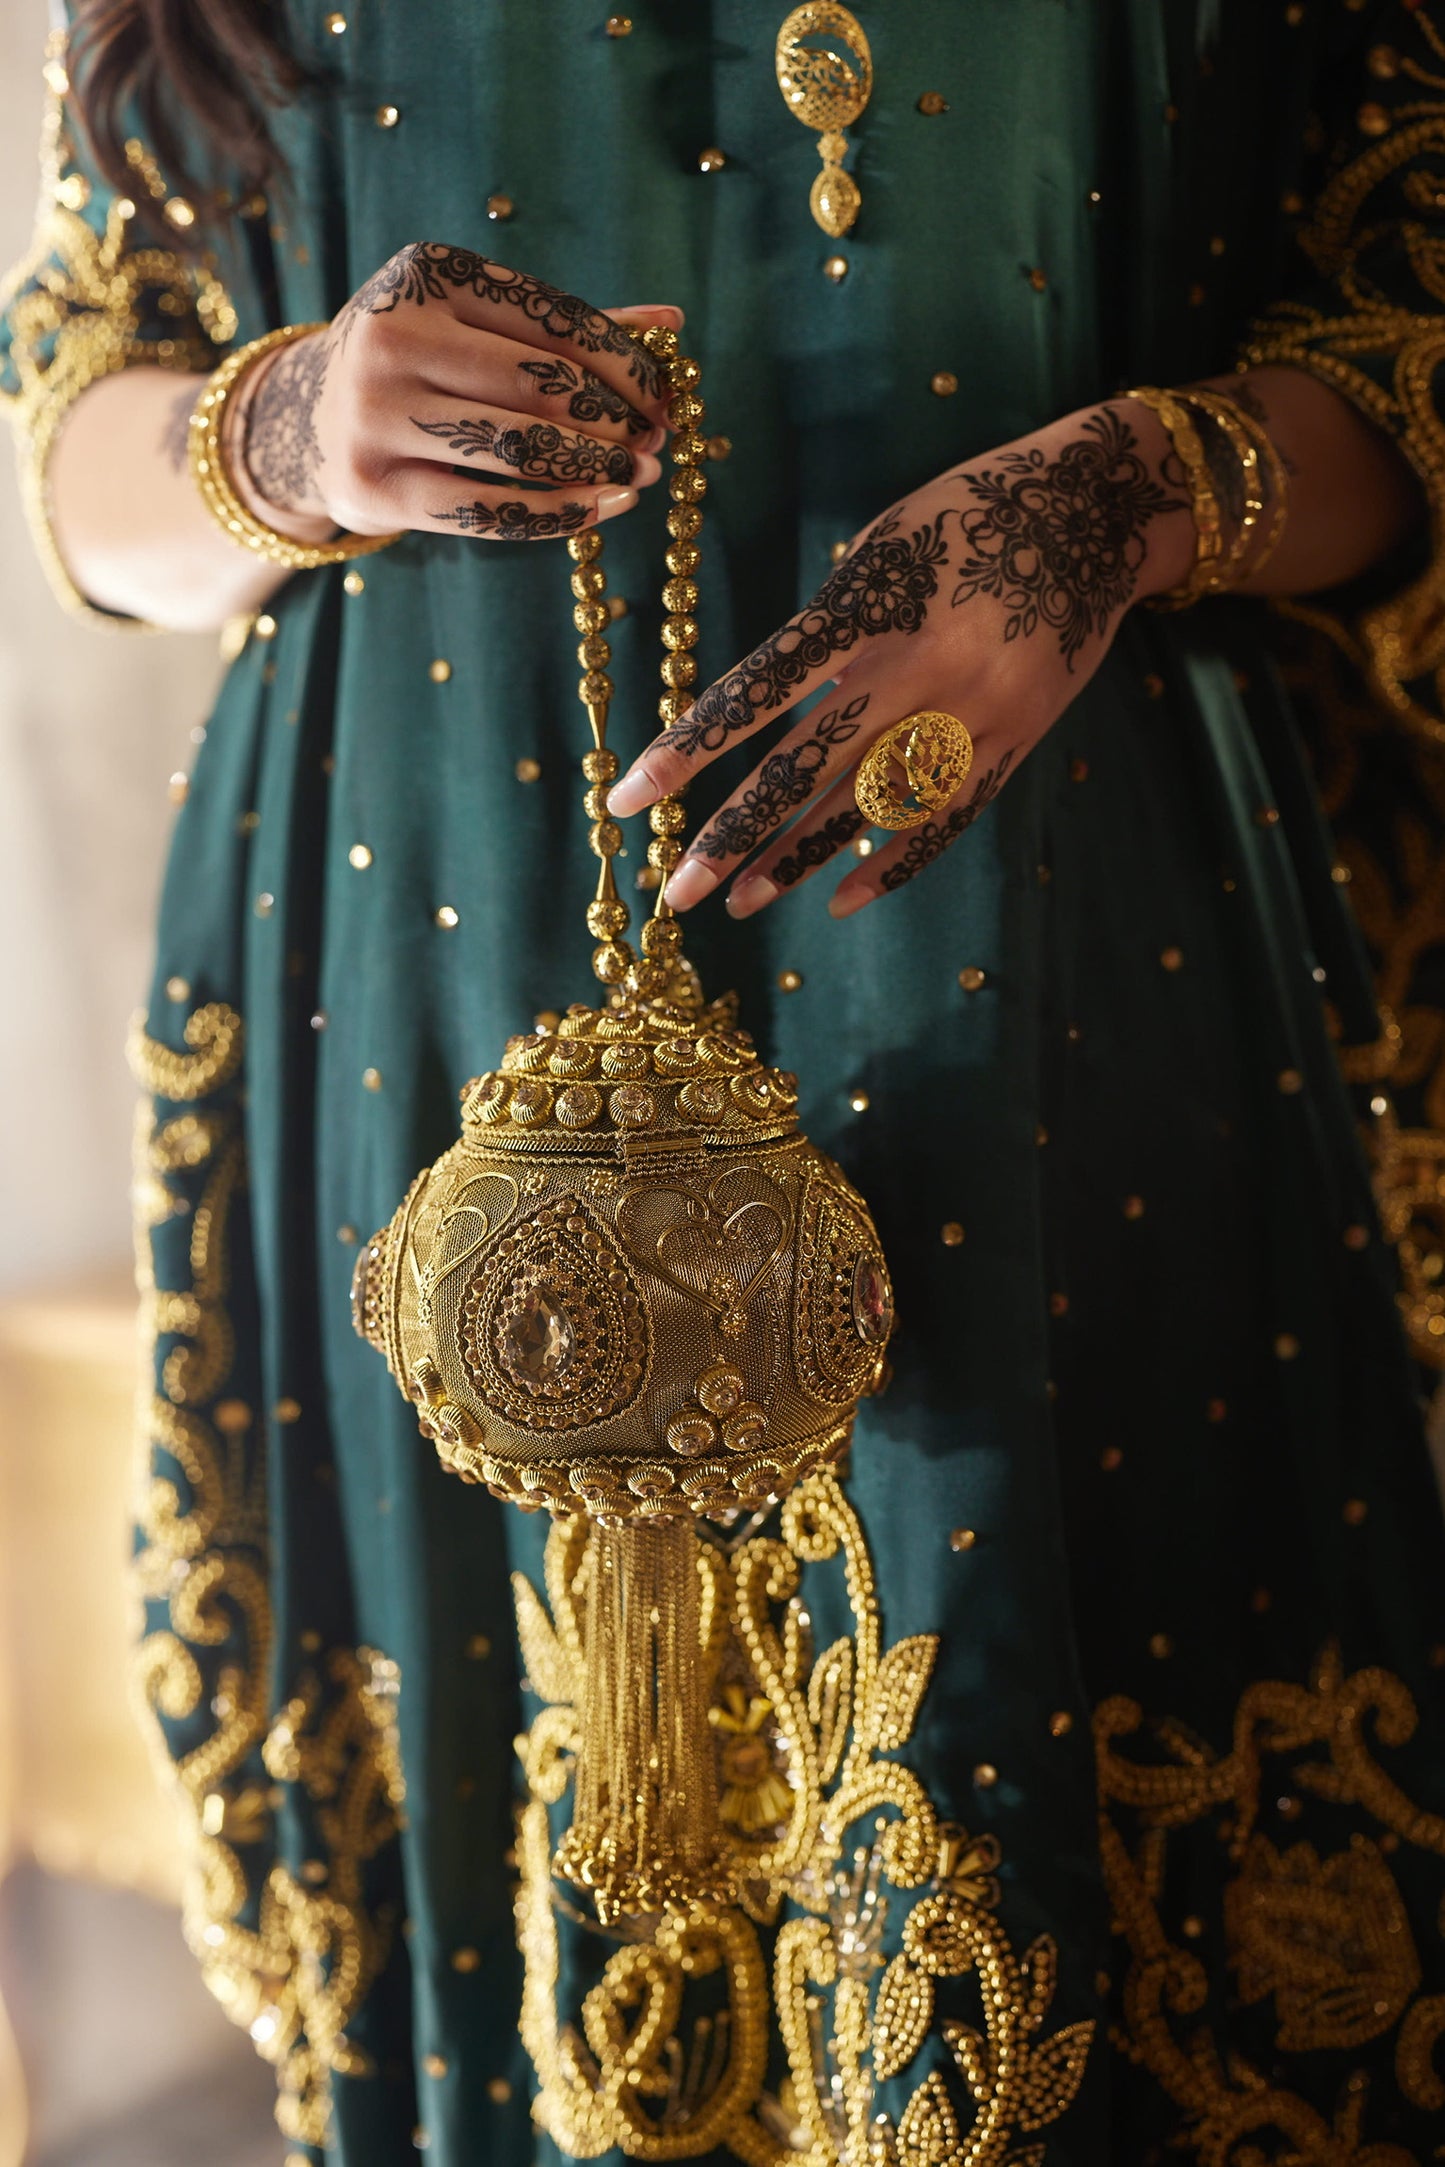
1267, 817
789, 981
932, 103
1111, 1459
465, 1960
1286, 1346
1161, 1647
985, 1775
863, 847
962, 1538
178, 989
971, 978
680, 596
500, 206
1216, 244
371, 1079
711, 160
180, 213
387, 116
1171, 958
265, 627
265, 904
836, 269
619, 26
680, 633
336, 24
439, 671
1078, 771
499, 2091
286, 1410
479, 1647
1060, 1723
353, 583
528, 770
346, 1234
673, 706
687, 486
616, 606
950, 1234
838, 552
1290, 1081
683, 522
435, 2065
446, 916
719, 448
1133, 1207
1356, 1237
943, 383
1356, 1512
1037, 279
859, 1101
359, 856
1383, 61
1372, 119
679, 669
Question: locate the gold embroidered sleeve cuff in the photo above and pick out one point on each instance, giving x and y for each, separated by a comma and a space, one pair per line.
82, 303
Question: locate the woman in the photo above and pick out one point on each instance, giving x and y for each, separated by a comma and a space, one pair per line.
1145, 1512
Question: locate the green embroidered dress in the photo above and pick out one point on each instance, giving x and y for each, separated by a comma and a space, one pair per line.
1145, 1516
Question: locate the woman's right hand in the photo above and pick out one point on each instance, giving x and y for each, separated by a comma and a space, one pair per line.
447, 364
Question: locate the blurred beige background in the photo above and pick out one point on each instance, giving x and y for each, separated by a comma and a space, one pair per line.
114, 2055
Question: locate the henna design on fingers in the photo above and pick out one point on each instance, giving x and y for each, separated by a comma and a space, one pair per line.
176, 435
818, 847
1058, 537
279, 447
930, 841
540, 452
886, 585
515, 520
785, 779
424, 271
588, 398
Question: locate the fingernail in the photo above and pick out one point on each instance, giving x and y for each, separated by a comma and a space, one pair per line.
846, 901
689, 884
614, 500
656, 440
630, 795
646, 470
746, 896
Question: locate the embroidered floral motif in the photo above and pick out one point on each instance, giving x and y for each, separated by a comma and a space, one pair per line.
1323, 1934
824, 1821
289, 1955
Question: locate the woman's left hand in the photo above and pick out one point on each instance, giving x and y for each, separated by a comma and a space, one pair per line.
991, 594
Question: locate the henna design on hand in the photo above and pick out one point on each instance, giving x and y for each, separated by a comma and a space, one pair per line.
930, 841
540, 452
424, 271
1058, 536
515, 520
818, 847
176, 435
588, 398
279, 447
785, 779
886, 585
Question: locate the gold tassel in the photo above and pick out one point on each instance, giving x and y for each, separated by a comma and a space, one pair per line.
645, 1833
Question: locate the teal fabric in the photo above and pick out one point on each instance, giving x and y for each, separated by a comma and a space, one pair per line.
1155, 1419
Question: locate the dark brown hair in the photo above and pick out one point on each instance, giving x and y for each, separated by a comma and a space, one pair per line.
218, 65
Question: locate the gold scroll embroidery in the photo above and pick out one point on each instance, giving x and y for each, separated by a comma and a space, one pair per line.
296, 1976
820, 1819
1363, 209
1325, 1935
83, 303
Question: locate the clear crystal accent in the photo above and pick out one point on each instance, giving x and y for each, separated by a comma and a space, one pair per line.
539, 1339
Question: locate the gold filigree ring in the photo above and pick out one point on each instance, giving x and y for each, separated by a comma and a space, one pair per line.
935, 752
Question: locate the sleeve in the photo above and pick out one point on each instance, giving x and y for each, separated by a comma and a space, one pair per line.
93, 294
1368, 316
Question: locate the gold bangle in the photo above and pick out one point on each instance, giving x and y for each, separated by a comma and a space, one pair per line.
1230, 420
218, 491
1276, 488
1204, 504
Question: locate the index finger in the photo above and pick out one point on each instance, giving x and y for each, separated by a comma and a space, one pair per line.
884, 585
491, 297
